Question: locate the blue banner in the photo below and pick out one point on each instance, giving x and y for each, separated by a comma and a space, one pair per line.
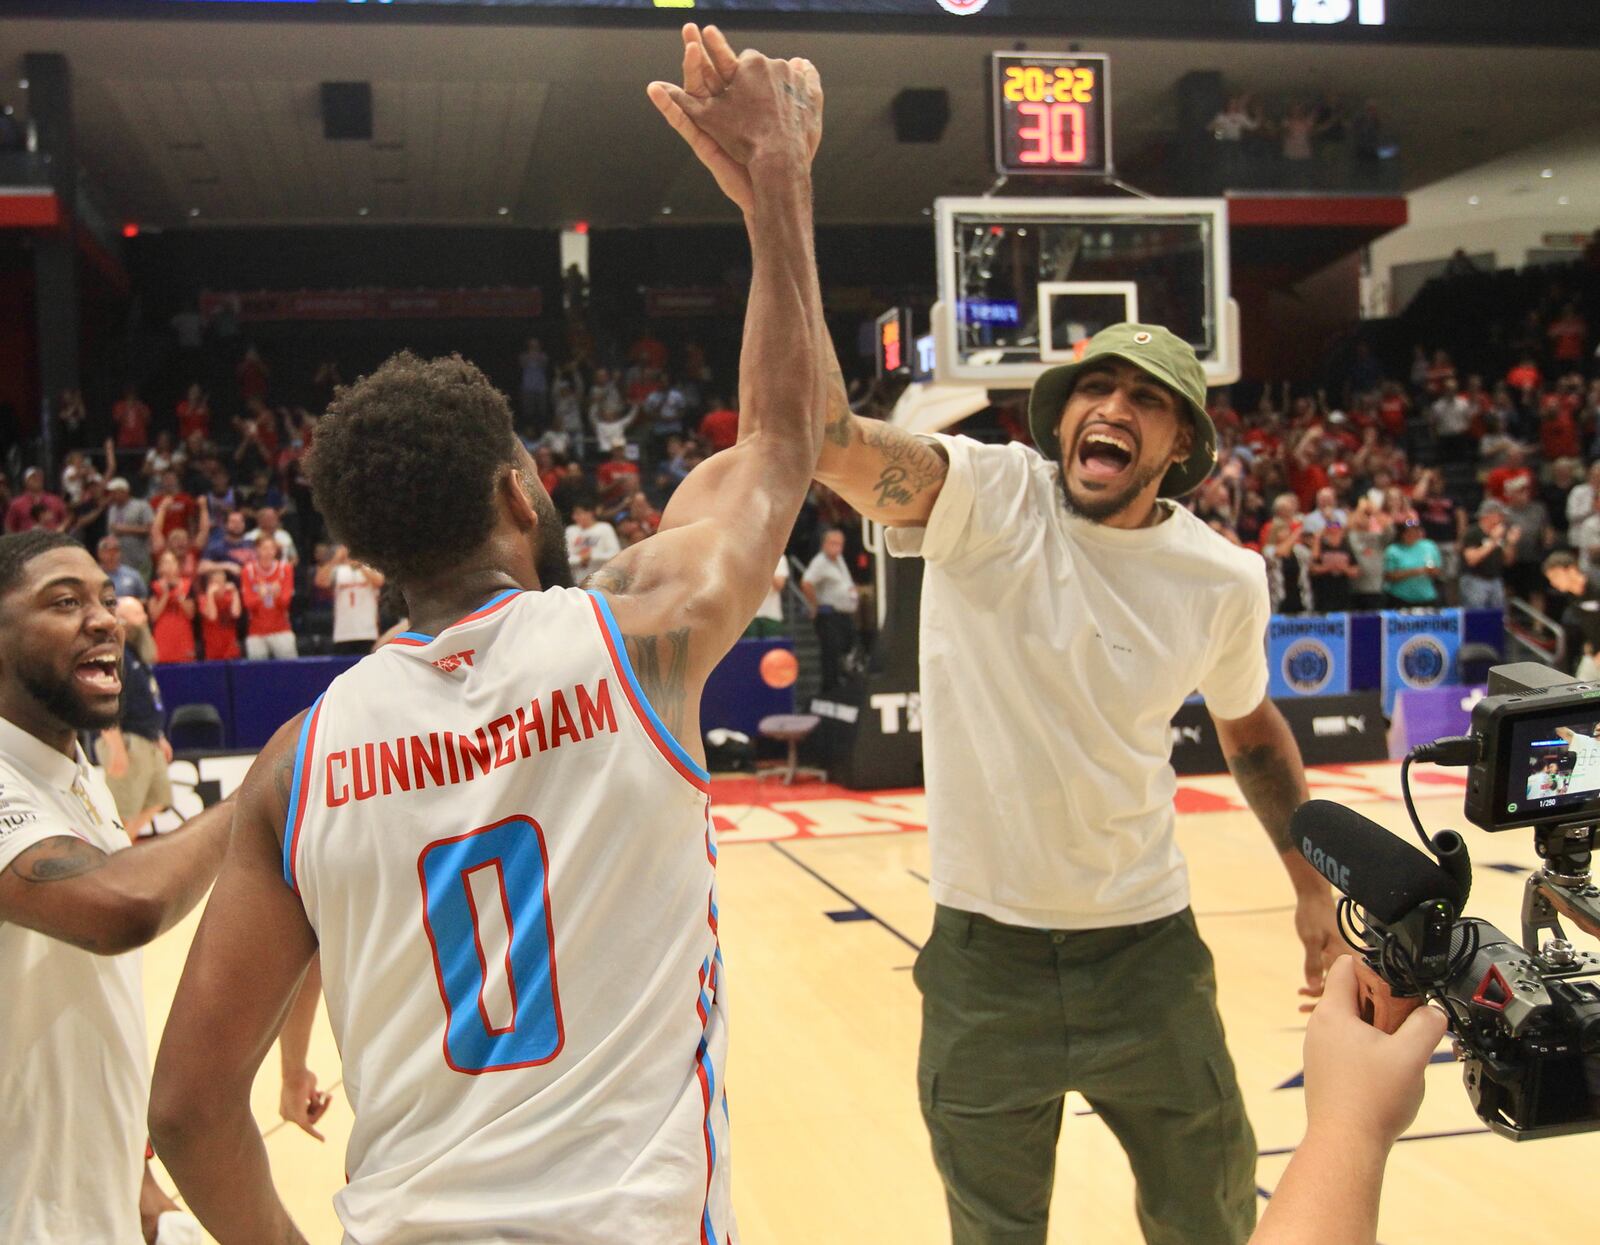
1419, 652
1308, 656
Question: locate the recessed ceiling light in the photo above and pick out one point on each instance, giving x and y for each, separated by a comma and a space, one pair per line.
23, 84
1564, 200
505, 211
927, 211
363, 211
666, 211
194, 211
1473, 201
1547, 173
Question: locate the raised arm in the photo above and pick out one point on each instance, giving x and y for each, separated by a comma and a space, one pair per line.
66, 888
884, 472
682, 597
245, 968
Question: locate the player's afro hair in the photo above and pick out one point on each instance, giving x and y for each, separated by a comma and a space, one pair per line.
403, 465
17, 550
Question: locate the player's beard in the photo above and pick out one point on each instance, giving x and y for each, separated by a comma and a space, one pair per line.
550, 559
62, 701
1098, 507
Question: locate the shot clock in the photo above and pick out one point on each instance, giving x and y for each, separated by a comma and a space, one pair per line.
1052, 114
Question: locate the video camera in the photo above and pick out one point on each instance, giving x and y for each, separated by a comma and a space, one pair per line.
1525, 1016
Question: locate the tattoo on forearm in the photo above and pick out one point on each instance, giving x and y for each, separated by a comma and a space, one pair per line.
837, 428
911, 465
661, 664
1267, 780
55, 860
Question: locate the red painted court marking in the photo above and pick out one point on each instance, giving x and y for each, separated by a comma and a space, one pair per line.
746, 810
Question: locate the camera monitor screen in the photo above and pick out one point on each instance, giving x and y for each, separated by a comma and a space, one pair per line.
1555, 765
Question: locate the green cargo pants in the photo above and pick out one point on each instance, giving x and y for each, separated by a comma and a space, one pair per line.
1013, 1018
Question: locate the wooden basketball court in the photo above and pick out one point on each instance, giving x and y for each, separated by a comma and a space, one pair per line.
823, 904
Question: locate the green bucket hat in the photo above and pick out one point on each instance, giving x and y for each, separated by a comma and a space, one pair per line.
1155, 350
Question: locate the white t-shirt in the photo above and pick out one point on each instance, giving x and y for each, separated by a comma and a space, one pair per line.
830, 578
772, 607
598, 540
285, 543
1055, 653
74, 1067
355, 605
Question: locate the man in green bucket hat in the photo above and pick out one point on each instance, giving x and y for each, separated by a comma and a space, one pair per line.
1068, 609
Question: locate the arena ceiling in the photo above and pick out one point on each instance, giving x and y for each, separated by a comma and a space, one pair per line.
220, 117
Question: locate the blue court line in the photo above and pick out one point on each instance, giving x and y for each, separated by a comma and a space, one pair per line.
1457, 1132
870, 914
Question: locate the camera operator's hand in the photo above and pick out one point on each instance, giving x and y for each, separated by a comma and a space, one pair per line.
1362, 1083
1363, 1088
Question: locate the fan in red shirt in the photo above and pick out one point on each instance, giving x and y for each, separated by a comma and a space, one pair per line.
1513, 468
719, 427
194, 414
219, 617
648, 352
132, 418
617, 476
252, 374
1392, 409
1568, 336
171, 612
268, 589
175, 510
1558, 424
1525, 375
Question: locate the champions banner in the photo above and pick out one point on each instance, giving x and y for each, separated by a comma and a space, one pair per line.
1308, 656
1419, 652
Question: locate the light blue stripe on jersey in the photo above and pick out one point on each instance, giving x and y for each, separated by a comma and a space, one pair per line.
489, 604
294, 792
661, 731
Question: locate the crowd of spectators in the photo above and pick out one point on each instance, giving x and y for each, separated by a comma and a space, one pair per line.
1290, 142
202, 512
1445, 485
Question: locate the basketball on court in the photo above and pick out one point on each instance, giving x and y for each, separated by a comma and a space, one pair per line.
779, 668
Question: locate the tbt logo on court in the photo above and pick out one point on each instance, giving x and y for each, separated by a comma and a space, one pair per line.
962, 8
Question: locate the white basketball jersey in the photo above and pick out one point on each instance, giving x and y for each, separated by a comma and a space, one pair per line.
510, 867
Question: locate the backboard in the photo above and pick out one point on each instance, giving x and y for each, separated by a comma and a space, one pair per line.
1023, 281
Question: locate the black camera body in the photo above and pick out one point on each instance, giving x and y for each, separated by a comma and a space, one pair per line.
1525, 1014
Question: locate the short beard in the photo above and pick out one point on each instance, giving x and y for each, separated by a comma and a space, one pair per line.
1102, 506
550, 559
62, 702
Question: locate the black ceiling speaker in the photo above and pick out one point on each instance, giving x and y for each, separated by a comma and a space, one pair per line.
920, 114
347, 110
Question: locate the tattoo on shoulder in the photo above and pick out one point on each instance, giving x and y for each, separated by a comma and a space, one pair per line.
661, 663
610, 579
911, 466
56, 859
1267, 782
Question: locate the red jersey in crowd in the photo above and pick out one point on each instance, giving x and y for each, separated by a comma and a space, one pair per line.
720, 429
173, 630
1567, 336
1558, 430
182, 512
132, 418
267, 593
220, 635
1495, 482
611, 471
1524, 376
193, 417
1392, 410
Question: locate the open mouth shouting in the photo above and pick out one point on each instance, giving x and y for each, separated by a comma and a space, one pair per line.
99, 671
1105, 454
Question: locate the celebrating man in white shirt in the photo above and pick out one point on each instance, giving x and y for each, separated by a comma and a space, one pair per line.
1068, 609
75, 901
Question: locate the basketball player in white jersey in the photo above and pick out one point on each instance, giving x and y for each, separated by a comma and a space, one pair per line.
495, 830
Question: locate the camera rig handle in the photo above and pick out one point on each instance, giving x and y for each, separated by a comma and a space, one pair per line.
1376, 1001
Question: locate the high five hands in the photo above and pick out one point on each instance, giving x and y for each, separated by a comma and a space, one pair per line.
740, 112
